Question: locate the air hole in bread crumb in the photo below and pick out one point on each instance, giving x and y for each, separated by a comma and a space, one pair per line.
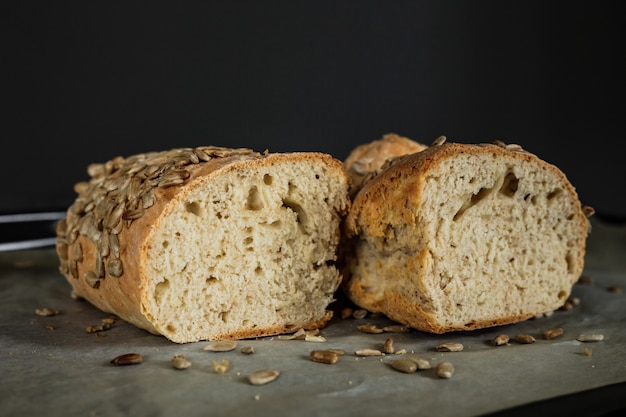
224, 316
571, 266
509, 185
254, 201
193, 208
161, 288
274, 224
553, 194
268, 179
562, 294
474, 199
165, 243
301, 216
210, 280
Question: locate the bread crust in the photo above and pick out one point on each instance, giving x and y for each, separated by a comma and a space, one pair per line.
83, 255
394, 201
367, 159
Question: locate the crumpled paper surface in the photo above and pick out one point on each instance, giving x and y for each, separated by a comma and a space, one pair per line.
52, 365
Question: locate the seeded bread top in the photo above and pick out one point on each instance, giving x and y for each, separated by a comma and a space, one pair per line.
119, 192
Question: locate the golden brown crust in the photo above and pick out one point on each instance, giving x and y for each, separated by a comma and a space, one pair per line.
365, 160
377, 198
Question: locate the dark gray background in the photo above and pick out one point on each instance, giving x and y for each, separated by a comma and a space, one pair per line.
84, 82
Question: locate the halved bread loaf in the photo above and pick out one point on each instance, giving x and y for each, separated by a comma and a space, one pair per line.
462, 237
208, 243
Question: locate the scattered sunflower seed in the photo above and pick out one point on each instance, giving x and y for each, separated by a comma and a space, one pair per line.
422, 363
396, 328
298, 335
500, 340
587, 352
221, 346
552, 333
590, 337
570, 303
359, 314
220, 366
324, 356
449, 347
370, 328
127, 359
404, 365
368, 352
98, 328
444, 370
248, 350
47, 311
524, 338
314, 338
388, 346
263, 376
180, 362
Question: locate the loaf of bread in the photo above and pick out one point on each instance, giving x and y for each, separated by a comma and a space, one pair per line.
367, 159
208, 243
464, 236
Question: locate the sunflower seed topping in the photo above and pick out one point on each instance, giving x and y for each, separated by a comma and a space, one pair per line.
118, 193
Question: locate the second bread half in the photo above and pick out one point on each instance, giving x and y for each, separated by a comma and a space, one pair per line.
465, 236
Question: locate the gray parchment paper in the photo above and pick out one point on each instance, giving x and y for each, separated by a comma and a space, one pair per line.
53, 365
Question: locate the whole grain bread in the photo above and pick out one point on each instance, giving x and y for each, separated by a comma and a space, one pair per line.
464, 236
208, 243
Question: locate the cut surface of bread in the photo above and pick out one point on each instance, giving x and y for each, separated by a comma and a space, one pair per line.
462, 237
230, 245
